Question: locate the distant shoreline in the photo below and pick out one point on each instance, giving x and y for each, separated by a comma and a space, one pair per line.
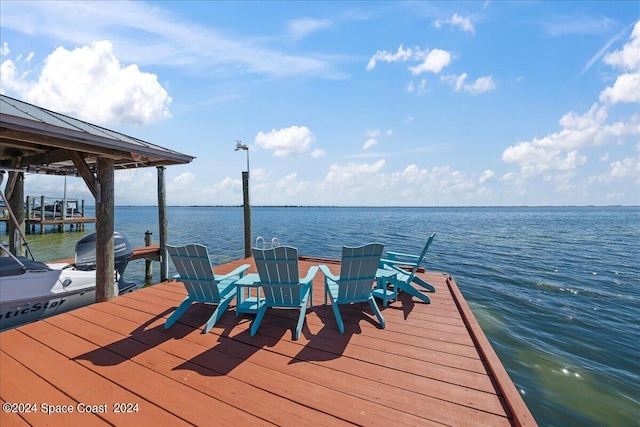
385, 207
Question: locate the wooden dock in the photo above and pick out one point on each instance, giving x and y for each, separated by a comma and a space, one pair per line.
432, 365
31, 223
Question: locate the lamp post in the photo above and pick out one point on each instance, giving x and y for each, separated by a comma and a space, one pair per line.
246, 205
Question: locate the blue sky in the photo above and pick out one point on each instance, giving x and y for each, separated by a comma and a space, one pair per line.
346, 103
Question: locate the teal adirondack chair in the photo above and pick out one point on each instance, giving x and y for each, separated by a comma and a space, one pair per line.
196, 273
281, 284
355, 282
406, 276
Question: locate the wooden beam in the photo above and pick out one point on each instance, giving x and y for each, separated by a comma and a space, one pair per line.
86, 173
162, 220
105, 265
16, 203
47, 157
11, 182
25, 140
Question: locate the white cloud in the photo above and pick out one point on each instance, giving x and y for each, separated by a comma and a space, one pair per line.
434, 62
138, 182
182, 181
431, 61
287, 142
456, 21
4, 50
373, 133
348, 174
422, 87
603, 50
91, 84
620, 169
289, 185
627, 86
155, 36
259, 174
301, 28
225, 192
382, 55
571, 25
369, 143
625, 89
318, 152
481, 85
486, 176
594, 117
628, 58
558, 150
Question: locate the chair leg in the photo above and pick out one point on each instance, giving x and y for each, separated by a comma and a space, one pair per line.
376, 310
424, 284
310, 286
184, 305
222, 307
258, 319
413, 291
326, 291
301, 317
336, 312
381, 283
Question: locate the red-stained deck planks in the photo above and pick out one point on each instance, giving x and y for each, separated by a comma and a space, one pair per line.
432, 365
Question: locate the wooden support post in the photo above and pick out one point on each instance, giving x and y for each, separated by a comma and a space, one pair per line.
16, 202
148, 266
247, 214
81, 225
28, 216
162, 222
42, 214
105, 265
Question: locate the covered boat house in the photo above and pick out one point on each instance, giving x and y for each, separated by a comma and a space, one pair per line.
37, 140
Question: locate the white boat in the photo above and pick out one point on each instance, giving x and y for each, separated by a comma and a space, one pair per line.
31, 290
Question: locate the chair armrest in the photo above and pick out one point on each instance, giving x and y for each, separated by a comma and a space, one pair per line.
239, 271
310, 275
392, 262
328, 274
393, 265
393, 255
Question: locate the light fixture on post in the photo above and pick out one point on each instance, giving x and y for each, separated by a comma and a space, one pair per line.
246, 205
241, 146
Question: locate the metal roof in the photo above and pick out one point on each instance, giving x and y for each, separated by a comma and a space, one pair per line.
35, 139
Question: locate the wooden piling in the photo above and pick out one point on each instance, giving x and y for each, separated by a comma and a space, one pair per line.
148, 266
247, 214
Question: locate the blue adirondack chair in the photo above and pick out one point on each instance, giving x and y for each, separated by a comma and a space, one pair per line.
196, 273
281, 284
406, 276
355, 282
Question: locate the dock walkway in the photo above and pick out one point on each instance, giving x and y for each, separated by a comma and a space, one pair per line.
432, 365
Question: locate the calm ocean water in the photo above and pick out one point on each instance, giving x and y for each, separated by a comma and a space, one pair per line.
556, 290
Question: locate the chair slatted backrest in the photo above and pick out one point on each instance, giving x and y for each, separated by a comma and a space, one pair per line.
358, 271
419, 261
279, 277
196, 273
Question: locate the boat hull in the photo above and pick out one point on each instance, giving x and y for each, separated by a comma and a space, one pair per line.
36, 295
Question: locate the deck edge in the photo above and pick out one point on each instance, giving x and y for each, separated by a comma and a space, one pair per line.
522, 416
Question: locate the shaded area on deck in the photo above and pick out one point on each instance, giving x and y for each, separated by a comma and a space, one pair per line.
432, 365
